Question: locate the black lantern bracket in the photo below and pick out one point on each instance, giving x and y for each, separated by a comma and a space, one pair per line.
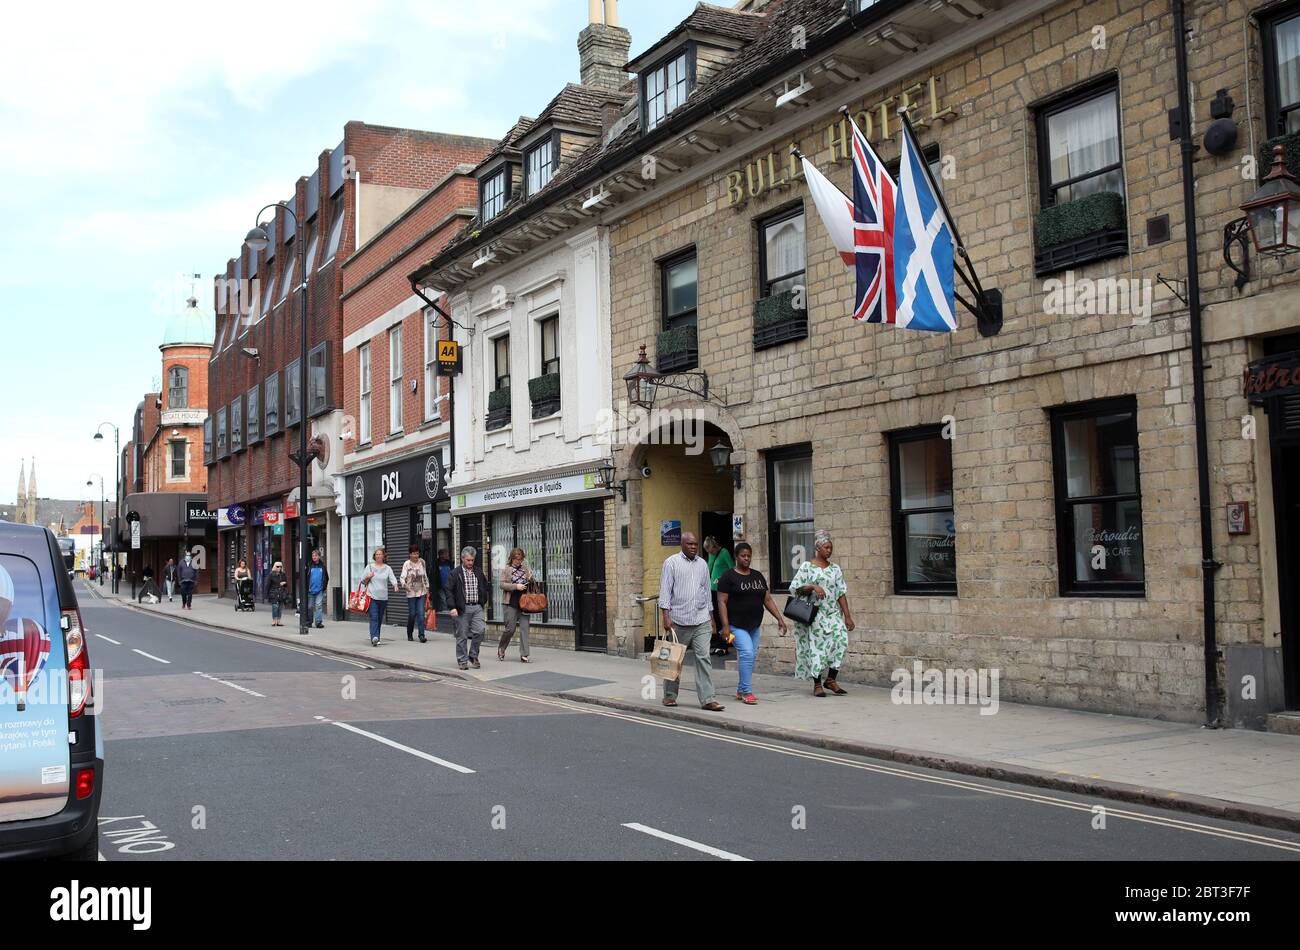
605, 478
644, 383
1235, 234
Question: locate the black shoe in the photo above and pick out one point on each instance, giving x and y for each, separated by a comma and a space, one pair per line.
422, 640
463, 666
410, 639
374, 642
320, 626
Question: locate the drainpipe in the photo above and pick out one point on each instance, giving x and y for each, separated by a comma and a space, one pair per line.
1213, 694
451, 383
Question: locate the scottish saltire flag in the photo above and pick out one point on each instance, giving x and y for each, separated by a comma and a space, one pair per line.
835, 208
923, 249
873, 234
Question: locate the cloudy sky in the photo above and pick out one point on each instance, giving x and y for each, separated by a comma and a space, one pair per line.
139, 141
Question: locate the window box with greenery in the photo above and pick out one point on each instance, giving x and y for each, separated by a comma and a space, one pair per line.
1081, 180
678, 349
498, 416
544, 393
777, 320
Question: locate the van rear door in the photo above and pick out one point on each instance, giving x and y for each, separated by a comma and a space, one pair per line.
34, 755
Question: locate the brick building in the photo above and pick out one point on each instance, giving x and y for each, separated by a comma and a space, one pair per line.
356, 189
396, 406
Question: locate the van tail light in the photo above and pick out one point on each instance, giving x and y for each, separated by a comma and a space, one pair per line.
74, 638
85, 783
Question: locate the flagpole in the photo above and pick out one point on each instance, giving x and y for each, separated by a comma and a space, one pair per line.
910, 130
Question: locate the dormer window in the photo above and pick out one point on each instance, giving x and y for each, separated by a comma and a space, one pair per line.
492, 195
666, 87
540, 166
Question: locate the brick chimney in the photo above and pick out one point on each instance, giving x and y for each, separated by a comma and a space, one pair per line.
603, 47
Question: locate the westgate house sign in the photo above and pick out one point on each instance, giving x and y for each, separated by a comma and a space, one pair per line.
1272, 376
415, 481
874, 121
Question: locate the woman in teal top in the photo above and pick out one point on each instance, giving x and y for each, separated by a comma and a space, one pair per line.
719, 563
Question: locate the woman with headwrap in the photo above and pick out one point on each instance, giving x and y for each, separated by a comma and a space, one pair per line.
821, 645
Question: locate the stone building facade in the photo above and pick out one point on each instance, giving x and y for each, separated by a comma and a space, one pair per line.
1053, 464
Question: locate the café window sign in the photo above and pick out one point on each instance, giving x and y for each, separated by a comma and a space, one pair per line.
1271, 377
878, 122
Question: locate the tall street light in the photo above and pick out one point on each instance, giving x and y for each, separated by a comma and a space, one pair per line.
102, 524
257, 240
117, 488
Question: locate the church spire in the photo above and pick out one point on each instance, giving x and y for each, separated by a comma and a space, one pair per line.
31, 495
22, 488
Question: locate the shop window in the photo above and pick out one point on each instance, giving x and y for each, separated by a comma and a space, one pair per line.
358, 557
790, 511
1098, 499
780, 312
666, 86
924, 530
363, 355
178, 388
1081, 180
546, 537
676, 348
1281, 37
237, 424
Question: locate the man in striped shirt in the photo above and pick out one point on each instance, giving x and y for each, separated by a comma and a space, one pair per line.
687, 606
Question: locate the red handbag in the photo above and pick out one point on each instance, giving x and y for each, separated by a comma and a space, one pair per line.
359, 600
430, 615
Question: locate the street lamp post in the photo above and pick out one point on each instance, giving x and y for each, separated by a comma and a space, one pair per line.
102, 523
117, 488
257, 240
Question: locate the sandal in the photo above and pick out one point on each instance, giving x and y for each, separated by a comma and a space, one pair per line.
670, 702
713, 706
501, 654
749, 699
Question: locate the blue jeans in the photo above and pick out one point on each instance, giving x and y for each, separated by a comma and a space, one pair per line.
746, 652
276, 609
316, 603
377, 610
415, 615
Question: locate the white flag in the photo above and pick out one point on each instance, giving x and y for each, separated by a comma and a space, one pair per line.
835, 209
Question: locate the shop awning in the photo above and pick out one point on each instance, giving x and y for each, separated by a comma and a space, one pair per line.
162, 514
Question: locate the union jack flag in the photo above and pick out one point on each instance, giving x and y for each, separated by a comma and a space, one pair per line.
24, 648
873, 234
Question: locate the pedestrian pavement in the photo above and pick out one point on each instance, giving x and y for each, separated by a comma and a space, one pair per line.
1228, 773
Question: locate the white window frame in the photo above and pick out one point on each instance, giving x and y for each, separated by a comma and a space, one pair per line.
395, 380
363, 354
430, 364
171, 460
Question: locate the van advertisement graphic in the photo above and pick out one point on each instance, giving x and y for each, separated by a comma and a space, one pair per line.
33, 716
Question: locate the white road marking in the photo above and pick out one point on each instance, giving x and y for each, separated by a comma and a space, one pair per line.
109, 639
242, 689
259, 640
151, 656
1176, 824
397, 745
685, 842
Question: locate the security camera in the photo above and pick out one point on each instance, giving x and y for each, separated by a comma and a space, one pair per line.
645, 471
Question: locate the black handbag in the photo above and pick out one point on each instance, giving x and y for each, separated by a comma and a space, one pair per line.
801, 609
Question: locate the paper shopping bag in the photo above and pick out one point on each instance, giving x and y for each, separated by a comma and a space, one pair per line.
667, 657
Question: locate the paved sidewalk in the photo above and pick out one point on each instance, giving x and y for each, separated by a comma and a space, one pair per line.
1230, 773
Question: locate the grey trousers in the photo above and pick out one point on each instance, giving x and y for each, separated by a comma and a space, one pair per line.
696, 640
514, 617
470, 626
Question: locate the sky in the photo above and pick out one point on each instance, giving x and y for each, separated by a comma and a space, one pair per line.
140, 140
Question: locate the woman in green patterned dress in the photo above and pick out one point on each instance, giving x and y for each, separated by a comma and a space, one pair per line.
821, 645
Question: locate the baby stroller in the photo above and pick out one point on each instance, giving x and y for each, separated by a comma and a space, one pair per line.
244, 595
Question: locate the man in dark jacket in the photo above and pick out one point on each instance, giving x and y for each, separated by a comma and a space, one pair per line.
189, 577
469, 597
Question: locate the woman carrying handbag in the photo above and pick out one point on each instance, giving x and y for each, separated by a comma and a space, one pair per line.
515, 578
822, 633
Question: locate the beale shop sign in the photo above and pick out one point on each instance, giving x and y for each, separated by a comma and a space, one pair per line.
878, 122
416, 481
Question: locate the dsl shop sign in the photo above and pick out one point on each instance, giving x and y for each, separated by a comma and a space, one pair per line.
415, 481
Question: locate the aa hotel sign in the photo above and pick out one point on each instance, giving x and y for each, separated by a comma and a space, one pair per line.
878, 122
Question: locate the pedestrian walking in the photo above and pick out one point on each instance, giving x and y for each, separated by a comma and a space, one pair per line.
318, 582
415, 581
515, 577
147, 586
685, 601
821, 645
379, 577
720, 562
189, 577
742, 596
444, 580
469, 591
277, 592
169, 578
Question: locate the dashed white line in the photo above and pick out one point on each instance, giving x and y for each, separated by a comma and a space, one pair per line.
403, 748
109, 639
684, 842
242, 689
149, 655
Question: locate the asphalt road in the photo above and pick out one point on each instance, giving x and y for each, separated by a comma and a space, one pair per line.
225, 747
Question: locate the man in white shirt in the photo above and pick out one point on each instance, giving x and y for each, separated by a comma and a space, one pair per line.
685, 599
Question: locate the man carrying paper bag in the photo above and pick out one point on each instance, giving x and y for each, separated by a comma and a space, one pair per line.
685, 599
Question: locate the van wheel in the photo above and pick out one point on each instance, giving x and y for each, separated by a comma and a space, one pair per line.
87, 852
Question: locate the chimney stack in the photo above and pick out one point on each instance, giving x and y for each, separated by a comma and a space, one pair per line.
603, 47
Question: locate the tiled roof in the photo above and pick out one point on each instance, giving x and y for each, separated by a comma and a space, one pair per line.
517, 131
720, 21
579, 105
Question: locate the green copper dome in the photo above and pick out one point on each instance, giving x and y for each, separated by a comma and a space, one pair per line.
190, 327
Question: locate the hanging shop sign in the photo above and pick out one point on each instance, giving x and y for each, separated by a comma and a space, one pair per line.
449, 359
779, 168
1271, 377
413, 481
236, 516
